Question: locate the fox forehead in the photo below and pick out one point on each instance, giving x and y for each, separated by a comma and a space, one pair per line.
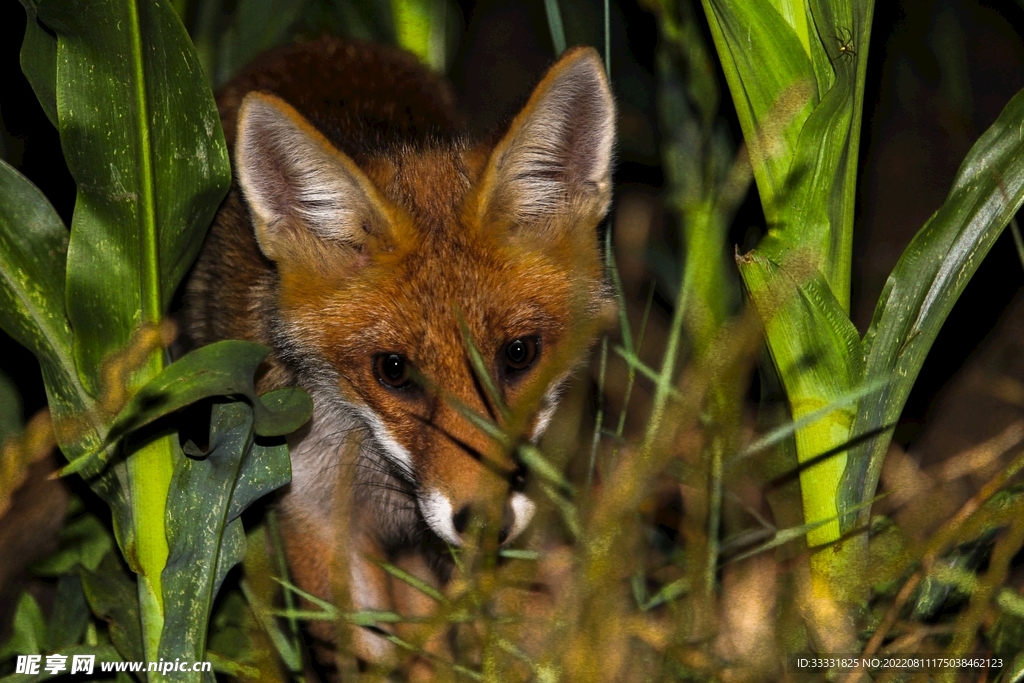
440, 265
410, 298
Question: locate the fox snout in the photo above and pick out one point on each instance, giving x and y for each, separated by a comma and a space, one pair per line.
451, 516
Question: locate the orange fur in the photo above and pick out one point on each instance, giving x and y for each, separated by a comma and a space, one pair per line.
364, 222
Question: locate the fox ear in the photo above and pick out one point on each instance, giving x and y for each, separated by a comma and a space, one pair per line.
557, 155
302, 192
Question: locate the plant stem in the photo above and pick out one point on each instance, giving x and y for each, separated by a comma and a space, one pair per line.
151, 467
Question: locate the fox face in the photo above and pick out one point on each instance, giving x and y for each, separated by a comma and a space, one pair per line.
394, 272
430, 292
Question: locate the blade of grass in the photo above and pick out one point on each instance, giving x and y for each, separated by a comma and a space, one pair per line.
1018, 242
291, 658
668, 593
599, 418
631, 373
554, 15
783, 536
322, 604
480, 369
411, 580
646, 370
535, 460
282, 573
783, 432
566, 509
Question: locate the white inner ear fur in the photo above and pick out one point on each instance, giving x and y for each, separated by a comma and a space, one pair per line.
292, 177
560, 148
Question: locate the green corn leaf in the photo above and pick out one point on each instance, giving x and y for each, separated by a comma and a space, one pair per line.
817, 352
33, 245
28, 633
142, 138
70, 617
39, 60
931, 274
207, 496
224, 368
113, 596
768, 69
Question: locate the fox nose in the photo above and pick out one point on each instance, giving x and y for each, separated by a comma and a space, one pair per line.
460, 520
452, 524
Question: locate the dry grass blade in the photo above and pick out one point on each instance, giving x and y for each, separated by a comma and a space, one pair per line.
20, 451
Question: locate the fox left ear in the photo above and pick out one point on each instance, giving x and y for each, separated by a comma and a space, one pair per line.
552, 169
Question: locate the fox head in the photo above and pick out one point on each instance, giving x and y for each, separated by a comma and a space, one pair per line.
397, 267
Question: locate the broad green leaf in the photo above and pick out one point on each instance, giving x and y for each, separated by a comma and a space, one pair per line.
28, 632
70, 615
931, 274
205, 536
795, 14
817, 212
142, 138
33, 245
818, 219
770, 76
420, 29
224, 368
816, 350
113, 596
39, 61
83, 541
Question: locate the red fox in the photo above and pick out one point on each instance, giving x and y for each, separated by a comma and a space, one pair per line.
366, 240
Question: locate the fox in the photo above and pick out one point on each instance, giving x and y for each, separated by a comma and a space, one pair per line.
374, 246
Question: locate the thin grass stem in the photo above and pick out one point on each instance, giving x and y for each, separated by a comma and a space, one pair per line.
599, 418
554, 15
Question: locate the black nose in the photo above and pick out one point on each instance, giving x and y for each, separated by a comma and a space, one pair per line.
517, 480
460, 520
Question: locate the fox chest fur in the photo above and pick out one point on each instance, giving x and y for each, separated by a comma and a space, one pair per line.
414, 281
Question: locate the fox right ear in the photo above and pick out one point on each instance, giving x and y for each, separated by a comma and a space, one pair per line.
302, 192
555, 161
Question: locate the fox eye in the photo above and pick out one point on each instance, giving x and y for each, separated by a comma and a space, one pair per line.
520, 354
392, 370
